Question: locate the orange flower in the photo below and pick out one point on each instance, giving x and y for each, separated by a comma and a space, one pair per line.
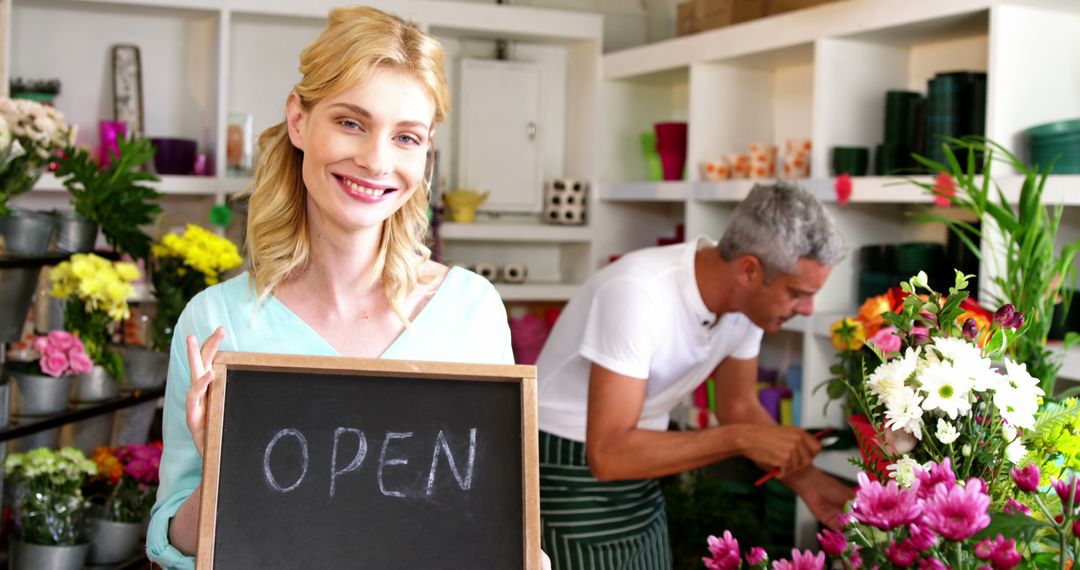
871, 311
848, 334
107, 463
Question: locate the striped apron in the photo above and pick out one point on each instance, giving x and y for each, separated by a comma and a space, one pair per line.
591, 525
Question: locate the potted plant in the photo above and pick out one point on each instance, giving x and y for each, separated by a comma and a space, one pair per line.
1032, 273
95, 293
45, 384
31, 136
181, 266
49, 508
123, 493
114, 198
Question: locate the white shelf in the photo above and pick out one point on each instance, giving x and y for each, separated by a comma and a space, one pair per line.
788, 31
169, 185
647, 191
514, 232
535, 292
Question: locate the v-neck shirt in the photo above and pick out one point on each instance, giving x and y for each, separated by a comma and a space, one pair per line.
464, 321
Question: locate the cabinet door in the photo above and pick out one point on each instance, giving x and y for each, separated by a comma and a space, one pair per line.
500, 134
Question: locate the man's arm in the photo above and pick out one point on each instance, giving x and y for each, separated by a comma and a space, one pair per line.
618, 449
824, 495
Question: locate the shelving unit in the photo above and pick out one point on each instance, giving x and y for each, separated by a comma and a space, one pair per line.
822, 73
203, 59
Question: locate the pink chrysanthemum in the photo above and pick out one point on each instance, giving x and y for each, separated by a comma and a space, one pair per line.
885, 507
934, 475
932, 564
957, 513
1065, 489
1013, 507
801, 561
921, 538
902, 554
756, 556
1026, 477
832, 543
725, 553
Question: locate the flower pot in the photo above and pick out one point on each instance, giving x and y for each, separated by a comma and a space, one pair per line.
39, 394
22, 555
74, 233
25, 233
112, 541
143, 367
94, 386
132, 425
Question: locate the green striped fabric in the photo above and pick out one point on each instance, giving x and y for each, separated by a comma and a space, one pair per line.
591, 525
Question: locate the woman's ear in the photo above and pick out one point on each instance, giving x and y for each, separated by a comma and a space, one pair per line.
295, 115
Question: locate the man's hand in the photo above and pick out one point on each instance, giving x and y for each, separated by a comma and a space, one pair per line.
824, 495
789, 448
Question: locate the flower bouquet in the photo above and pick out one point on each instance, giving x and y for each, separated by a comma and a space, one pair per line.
31, 136
182, 266
60, 354
127, 481
49, 504
96, 291
938, 395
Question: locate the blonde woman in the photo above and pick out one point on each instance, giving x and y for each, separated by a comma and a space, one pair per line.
338, 267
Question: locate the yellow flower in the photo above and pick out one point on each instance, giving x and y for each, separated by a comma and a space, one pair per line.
848, 334
127, 271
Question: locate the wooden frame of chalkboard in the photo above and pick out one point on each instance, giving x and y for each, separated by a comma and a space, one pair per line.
251, 387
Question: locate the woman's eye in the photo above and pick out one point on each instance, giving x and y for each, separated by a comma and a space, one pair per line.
349, 124
409, 139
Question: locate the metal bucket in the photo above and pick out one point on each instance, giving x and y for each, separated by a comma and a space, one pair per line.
143, 368
74, 233
94, 386
26, 556
40, 395
111, 541
25, 233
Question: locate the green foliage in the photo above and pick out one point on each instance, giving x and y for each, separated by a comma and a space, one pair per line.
174, 285
93, 327
1034, 274
48, 499
115, 197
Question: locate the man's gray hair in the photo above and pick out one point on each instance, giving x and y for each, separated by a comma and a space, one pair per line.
780, 224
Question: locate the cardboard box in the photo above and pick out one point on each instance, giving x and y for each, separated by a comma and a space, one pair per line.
781, 6
709, 14
684, 19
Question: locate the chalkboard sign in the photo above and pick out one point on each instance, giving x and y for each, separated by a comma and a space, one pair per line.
324, 462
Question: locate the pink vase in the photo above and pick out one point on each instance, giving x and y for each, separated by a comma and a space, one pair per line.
671, 146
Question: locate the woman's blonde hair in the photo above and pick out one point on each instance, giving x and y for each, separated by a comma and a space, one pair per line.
356, 43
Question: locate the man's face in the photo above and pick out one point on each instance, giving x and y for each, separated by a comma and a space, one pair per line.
771, 304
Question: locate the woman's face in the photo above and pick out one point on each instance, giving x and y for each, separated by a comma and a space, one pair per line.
364, 149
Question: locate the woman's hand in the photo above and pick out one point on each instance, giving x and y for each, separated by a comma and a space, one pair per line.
201, 362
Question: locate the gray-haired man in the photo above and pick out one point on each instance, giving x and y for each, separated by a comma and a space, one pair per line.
637, 338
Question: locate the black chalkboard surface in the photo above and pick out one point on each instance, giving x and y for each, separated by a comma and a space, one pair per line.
315, 462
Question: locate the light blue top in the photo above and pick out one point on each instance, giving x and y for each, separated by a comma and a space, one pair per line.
464, 321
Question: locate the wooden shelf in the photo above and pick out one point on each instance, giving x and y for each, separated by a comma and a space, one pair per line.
168, 185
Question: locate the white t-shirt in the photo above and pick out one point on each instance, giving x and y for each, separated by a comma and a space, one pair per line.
642, 317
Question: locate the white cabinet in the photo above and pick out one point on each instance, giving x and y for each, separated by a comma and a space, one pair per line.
202, 59
500, 127
822, 73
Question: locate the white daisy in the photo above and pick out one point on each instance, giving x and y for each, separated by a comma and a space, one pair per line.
946, 389
1015, 451
903, 412
946, 432
888, 378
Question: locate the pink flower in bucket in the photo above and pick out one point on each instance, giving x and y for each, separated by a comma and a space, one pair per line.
62, 354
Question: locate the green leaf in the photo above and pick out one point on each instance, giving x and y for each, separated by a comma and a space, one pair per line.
836, 389
1071, 338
